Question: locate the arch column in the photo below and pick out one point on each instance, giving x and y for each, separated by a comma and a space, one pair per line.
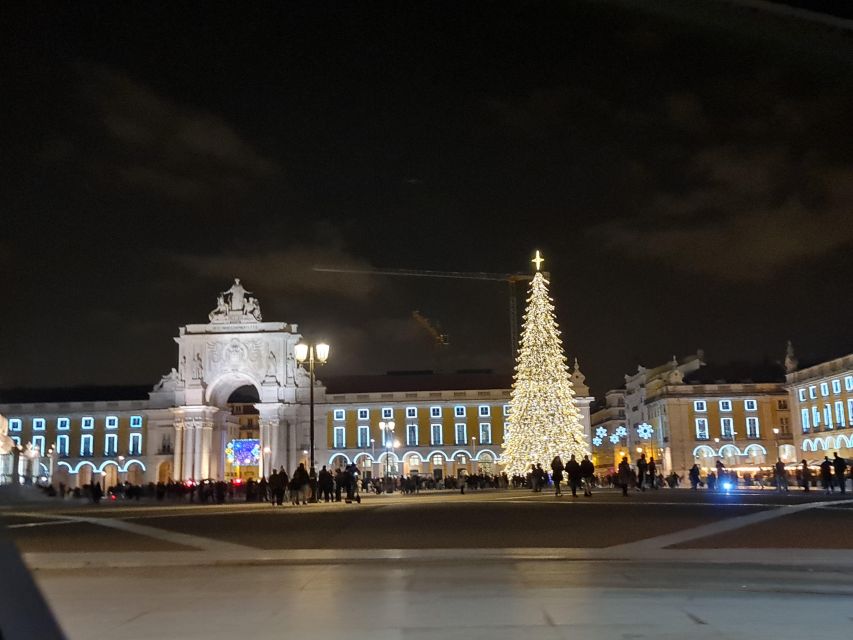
193, 450
178, 452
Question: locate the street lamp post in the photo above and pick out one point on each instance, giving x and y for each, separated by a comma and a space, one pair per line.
474, 457
776, 441
311, 353
372, 456
387, 429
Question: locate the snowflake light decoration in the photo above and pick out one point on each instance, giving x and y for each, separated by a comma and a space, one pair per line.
597, 441
601, 432
621, 431
645, 430
614, 439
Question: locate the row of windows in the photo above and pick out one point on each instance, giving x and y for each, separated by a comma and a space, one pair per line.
812, 419
387, 413
363, 439
824, 388
64, 424
727, 428
87, 443
701, 406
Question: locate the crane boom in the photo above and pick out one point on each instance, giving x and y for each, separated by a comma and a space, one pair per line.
510, 278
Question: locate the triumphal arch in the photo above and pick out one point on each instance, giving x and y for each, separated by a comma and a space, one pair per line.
235, 349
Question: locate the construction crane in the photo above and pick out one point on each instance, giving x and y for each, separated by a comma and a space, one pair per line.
510, 278
433, 328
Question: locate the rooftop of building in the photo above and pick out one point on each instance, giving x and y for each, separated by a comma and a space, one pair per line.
418, 381
737, 373
74, 394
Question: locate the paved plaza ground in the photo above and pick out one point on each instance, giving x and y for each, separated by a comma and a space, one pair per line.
495, 564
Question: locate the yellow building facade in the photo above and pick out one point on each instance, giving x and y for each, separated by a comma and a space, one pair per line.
822, 408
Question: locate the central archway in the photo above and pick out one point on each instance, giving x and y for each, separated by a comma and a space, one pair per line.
219, 392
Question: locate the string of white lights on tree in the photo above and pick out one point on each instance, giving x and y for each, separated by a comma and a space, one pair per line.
544, 420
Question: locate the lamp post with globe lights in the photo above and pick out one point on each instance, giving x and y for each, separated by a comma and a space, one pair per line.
315, 353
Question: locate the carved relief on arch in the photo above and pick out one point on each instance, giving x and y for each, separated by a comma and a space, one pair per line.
236, 355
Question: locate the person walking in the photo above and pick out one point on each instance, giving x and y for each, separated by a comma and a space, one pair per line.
298, 484
326, 482
642, 467
781, 476
693, 474
624, 475
806, 476
587, 474
274, 487
573, 470
826, 475
840, 466
653, 473
557, 474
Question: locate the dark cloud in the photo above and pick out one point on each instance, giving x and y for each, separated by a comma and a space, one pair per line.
748, 215
287, 271
138, 139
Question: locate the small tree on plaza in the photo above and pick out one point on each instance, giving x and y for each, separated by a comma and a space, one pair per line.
544, 420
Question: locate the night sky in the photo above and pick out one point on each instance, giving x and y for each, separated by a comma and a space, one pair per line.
686, 169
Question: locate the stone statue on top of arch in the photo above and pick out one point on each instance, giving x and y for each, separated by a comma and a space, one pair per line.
236, 295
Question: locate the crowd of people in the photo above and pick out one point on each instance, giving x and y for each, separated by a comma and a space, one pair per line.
347, 483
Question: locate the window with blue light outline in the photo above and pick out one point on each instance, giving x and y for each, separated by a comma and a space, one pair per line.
812, 392
815, 417
111, 422
485, 411
485, 433
804, 415
506, 410
87, 442
726, 427
461, 431
38, 424
435, 434
339, 414
435, 412
459, 411
87, 422
827, 416
364, 414
750, 405
110, 444
38, 443
726, 405
850, 412
824, 389
16, 440
15, 424
752, 427
701, 428
700, 406
63, 424
848, 383
839, 414
387, 413
62, 446
363, 436
802, 392
340, 438
836, 386
412, 435
411, 412
135, 447
135, 422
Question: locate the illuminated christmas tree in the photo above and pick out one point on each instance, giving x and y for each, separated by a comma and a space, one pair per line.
544, 419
